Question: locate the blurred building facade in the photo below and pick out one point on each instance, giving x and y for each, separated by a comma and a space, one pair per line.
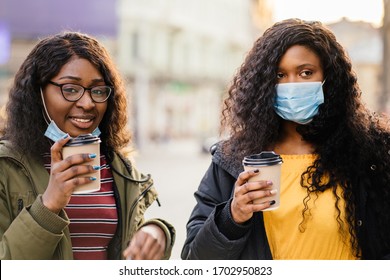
364, 45
179, 57
176, 55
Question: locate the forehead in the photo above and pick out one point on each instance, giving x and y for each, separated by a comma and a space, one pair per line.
299, 54
79, 67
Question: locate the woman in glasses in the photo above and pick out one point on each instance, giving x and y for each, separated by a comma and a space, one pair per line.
68, 86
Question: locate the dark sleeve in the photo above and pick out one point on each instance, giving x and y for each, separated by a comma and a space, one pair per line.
211, 232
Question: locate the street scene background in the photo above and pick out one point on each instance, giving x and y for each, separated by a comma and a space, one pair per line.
178, 58
177, 168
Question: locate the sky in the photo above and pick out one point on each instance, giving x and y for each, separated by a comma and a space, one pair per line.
329, 11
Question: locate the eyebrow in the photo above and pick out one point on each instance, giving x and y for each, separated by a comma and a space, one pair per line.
79, 79
307, 65
302, 66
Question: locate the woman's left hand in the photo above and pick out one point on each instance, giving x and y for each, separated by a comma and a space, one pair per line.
148, 243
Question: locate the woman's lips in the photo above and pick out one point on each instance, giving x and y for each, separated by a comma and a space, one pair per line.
82, 123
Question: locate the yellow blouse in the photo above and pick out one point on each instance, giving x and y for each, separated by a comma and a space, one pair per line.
321, 237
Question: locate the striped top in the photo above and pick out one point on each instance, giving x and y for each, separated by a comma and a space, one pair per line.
93, 216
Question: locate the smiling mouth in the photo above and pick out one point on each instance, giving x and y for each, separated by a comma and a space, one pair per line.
82, 123
82, 120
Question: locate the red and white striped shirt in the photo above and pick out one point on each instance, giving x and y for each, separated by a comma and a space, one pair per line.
93, 216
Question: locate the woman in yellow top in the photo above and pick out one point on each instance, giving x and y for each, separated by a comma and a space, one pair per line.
296, 94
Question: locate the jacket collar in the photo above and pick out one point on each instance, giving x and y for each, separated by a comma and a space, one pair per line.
228, 162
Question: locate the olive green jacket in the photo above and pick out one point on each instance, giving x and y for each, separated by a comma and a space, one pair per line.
29, 230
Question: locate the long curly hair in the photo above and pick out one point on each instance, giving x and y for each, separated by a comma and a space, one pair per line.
25, 124
343, 133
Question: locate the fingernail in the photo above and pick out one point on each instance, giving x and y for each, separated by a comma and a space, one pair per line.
256, 171
96, 167
269, 183
92, 178
92, 155
272, 202
273, 191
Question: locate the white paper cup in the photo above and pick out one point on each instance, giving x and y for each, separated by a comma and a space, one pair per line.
85, 143
269, 164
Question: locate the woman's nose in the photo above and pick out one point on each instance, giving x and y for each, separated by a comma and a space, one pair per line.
86, 101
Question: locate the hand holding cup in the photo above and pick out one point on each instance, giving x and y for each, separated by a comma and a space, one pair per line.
258, 187
66, 175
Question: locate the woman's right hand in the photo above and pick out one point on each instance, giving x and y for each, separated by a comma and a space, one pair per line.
242, 207
63, 176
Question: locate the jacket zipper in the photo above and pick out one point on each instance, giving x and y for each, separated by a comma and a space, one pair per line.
140, 197
20, 205
144, 192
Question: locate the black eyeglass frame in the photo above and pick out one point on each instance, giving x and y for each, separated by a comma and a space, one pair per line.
84, 90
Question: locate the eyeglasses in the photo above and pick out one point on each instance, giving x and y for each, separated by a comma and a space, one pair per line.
72, 92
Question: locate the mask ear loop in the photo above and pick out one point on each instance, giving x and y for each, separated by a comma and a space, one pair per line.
323, 82
45, 113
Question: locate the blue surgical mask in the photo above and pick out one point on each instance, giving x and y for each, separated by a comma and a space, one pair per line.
298, 102
54, 133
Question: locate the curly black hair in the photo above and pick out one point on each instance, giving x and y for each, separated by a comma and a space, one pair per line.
347, 137
25, 124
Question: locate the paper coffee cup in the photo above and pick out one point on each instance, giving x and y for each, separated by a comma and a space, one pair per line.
90, 144
269, 165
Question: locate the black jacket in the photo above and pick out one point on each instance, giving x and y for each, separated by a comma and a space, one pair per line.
212, 233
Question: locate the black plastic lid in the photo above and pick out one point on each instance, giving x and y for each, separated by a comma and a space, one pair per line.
264, 158
83, 139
